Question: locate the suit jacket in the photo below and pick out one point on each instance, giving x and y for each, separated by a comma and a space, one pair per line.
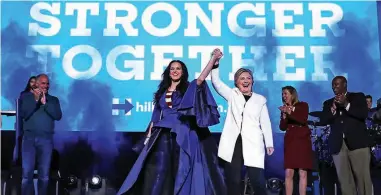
298, 117
250, 119
347, 123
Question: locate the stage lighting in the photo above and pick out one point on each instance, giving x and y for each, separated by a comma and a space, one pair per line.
95, 182
72, 182
96, 185
275, 184
72, 185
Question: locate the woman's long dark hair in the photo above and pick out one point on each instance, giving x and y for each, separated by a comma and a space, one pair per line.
28, 87
166, 81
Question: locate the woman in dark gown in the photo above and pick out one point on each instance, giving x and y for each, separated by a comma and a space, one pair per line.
179, 155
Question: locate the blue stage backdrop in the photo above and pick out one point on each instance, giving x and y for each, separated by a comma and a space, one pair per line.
105, 59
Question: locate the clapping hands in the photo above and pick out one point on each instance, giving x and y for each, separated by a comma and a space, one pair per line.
341, 99
39, 95
286, 109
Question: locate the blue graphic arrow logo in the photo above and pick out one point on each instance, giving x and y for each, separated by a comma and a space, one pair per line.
127, 106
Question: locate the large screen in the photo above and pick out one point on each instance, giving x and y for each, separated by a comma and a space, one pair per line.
105, 59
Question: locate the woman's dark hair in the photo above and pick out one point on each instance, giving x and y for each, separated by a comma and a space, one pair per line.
166, 81
28, 87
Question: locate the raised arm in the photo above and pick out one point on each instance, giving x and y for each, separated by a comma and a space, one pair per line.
220, 86
216, 55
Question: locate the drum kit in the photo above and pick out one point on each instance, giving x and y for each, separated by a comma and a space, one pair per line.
320, 134
375, 135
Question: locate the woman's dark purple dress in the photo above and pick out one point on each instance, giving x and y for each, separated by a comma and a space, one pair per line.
181, 155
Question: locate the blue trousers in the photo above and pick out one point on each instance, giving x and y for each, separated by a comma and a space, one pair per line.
36, 150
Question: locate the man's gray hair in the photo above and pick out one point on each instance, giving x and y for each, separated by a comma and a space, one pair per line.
41, 75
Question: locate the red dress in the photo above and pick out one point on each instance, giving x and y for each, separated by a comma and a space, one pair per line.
297, 141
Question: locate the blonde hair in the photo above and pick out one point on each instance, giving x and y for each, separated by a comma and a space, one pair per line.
239, 72
294, 94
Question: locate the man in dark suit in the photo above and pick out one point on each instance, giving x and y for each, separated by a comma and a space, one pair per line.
349, 141
39, 111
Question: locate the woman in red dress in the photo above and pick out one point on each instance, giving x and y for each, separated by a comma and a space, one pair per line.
297, 141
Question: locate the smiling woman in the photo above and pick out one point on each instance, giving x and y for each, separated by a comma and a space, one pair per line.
165, 164
247, 132
243, 79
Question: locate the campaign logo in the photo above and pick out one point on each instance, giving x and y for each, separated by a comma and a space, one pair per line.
126, 106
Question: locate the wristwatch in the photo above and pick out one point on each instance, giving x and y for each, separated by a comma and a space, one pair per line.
216, 66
